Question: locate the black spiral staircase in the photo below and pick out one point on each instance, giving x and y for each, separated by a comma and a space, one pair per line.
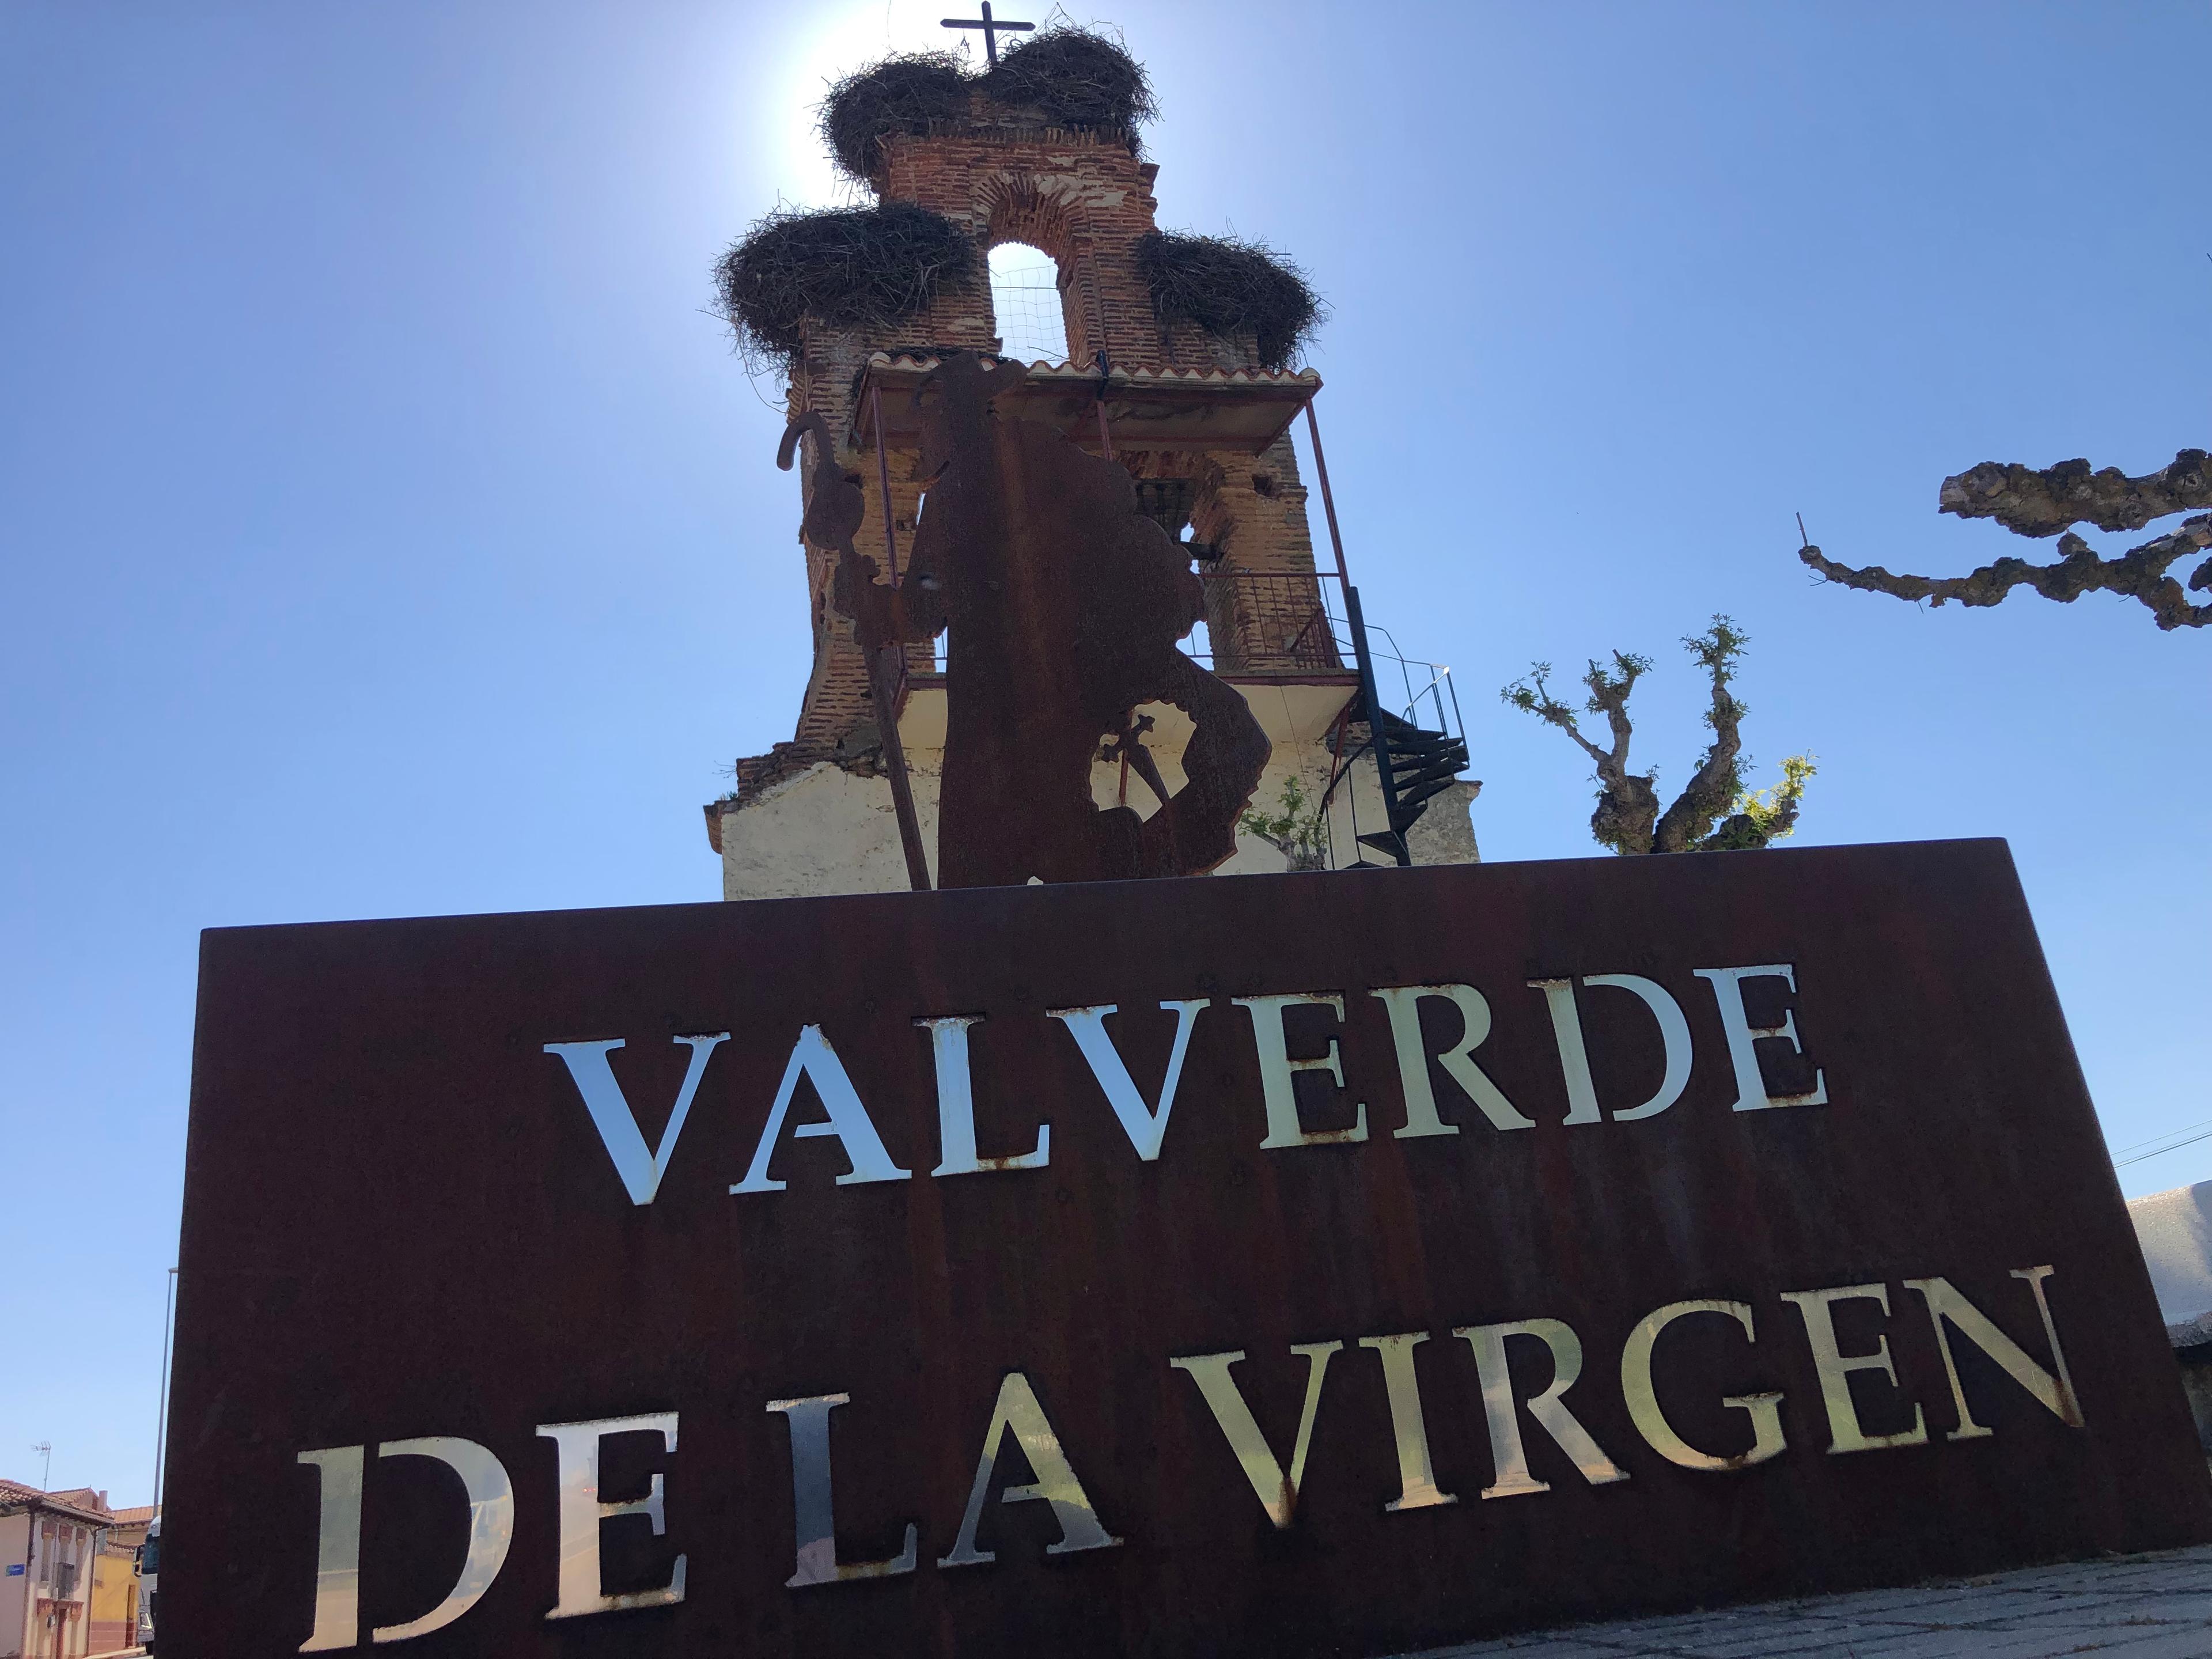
1414, 763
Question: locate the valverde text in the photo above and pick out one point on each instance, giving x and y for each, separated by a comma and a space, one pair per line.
813, 1057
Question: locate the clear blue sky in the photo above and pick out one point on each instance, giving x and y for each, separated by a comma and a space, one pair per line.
387, 530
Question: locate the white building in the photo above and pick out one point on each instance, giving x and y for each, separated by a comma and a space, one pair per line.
2175, 1230
47, 1547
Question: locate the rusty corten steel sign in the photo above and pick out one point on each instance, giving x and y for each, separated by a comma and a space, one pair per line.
1063, 604
1292, 1264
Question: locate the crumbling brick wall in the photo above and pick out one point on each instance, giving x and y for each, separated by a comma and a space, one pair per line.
1264, 606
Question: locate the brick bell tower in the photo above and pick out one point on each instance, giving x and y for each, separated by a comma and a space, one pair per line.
1179, 367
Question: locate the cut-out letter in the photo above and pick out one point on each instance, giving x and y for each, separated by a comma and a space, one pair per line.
2054, 1393
1146, 1127
1018, 1412
1636, 1386
1508, 1457
641, 1167
1278, 1071
338, 1548
582, 1513
813, 1056
1673, 1033
956, 1104
1574, 1058
1404, 1004
1845, 1433
1417, 1476
1751, 1095
490, 1497
813, 1514
1276, 1493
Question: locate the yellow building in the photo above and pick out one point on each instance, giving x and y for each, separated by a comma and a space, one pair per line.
115, 1593
124, 1538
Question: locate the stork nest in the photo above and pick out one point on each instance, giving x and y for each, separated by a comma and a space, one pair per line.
1072, 77
1229, 286
1077, 77
905, 92
848, 267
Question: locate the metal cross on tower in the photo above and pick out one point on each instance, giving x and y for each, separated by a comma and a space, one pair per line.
991, 30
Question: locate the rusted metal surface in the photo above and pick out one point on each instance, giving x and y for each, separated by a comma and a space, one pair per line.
1328, 496
1105, 389
1064, 604
399, 1221
884, 487
879, 613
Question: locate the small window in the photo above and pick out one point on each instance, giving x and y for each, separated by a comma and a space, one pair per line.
1025, 300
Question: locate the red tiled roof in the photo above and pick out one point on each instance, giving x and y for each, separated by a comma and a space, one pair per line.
14, 1494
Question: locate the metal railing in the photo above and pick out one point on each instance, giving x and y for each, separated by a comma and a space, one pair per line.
1292, 623
1258, 622
1429, 694
1264, 621
1428, 687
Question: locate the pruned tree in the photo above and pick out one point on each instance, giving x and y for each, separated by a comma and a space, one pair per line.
2050, 504
1714, 812
1298, 829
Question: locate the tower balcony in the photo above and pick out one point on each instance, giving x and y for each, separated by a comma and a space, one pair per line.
1221, 411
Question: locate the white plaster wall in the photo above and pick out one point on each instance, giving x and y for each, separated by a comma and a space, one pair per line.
1445, 833
2175, 1230
826, 830
15, 1537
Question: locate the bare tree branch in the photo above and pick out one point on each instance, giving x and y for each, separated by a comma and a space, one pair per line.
2032, 503
1628, 818
1537, 699
2138, 574
1627, 802
1719, 778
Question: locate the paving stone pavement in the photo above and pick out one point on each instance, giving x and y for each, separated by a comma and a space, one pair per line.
2133, 1606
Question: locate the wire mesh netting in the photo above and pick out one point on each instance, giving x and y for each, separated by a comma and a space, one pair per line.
1025, 298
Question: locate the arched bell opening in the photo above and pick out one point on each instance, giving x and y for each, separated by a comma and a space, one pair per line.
1028, 306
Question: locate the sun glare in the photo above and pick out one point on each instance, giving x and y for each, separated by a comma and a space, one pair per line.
838, 39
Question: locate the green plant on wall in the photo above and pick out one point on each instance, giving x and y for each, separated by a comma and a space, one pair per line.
1299, 830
